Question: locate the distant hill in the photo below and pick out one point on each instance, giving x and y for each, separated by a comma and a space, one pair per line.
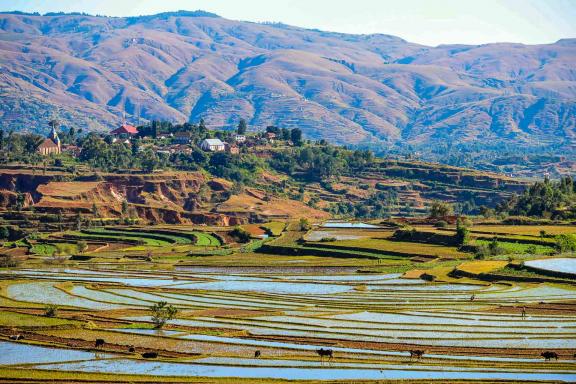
350, 89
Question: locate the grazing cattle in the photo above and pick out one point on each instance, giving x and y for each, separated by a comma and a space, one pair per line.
325, 353
417, 353
150, 355
131, 349
16, 337
257, 354
548, 355
99, 343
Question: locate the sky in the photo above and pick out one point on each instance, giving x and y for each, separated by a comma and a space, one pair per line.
430, 22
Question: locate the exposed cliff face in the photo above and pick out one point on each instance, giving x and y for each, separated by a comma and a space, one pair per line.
156, 198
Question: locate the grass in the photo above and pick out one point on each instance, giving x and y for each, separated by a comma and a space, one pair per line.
394, 247
482, 266
13, 319
511, 248
119, 238
43, 249
205, 239
170, 239
275, 227
529, 230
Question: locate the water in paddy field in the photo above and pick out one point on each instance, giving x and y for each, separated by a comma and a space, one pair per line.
564, 264
157, 368
299, 311
342, 224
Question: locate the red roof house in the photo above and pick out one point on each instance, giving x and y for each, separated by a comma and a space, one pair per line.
125, 129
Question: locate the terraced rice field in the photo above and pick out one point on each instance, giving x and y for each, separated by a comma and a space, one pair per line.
157, 238
466, 330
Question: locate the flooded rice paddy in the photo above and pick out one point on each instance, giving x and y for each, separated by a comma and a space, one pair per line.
289, 315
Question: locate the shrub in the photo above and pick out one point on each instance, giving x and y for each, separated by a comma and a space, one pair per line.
462, 234
327, 239
304, 225
8, 261
82, 246
240, 235
565, 243
441, 224
162, 312
51, 310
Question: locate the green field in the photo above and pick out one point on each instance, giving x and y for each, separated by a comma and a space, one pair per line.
511, 248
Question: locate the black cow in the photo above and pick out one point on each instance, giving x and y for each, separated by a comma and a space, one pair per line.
549, 355
325, 353
16, 337
416, 353
99, 343
150, 355
131, 349
257, 354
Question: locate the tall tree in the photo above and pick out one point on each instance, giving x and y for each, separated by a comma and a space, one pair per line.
296, 136
242, 127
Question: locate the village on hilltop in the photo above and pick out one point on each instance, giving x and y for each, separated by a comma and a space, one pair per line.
165, 138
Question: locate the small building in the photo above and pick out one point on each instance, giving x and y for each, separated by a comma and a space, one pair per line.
182, 138
72, 150
125, 130
212, 145
240, 139
232, 148
51, 144
271, 136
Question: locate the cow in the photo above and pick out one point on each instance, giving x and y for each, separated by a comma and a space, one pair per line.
257, 354
16, 337
548, 355
416, 353
325, 353
131, 349
99, 343
150, 355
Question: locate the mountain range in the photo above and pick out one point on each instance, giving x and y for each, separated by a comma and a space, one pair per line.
350, 89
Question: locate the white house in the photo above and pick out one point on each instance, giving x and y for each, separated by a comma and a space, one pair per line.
212, 145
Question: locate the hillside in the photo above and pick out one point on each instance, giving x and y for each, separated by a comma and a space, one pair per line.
350, 89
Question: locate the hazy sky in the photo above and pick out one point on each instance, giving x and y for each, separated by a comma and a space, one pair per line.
429, 22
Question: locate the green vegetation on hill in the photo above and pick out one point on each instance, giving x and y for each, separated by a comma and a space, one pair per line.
544, 199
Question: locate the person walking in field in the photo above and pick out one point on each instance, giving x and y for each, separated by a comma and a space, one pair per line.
523, 312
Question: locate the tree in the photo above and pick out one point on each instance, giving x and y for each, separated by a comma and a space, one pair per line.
304, 224
162, 312
54, 123
462, 233
240, 234
565, 243
4, 233
242, 127
51, 310
124, 207
440, 209
82, 246
296, 136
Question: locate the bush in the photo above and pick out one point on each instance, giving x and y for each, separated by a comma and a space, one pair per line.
162, 312
51, 310
240, 235
327, 239
8, 261
441, 224
565, 243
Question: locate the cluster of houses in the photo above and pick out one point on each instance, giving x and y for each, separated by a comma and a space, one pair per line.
179, 142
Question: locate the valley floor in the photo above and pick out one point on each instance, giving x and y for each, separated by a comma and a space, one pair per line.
371, 301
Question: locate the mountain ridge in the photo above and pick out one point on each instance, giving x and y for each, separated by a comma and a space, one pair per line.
350, 89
